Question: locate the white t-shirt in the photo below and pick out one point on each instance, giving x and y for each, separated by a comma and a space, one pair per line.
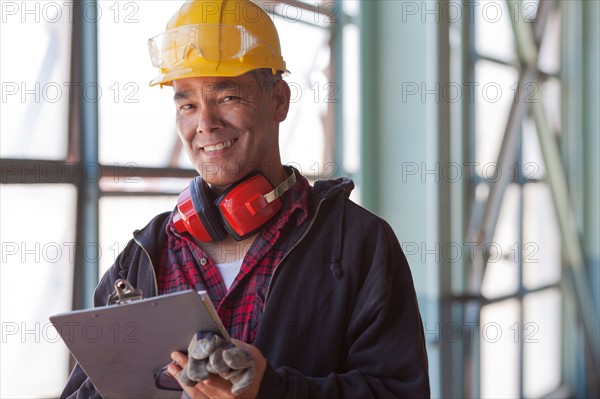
229, 271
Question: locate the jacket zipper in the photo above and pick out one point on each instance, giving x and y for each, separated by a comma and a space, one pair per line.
292, 248
151, 264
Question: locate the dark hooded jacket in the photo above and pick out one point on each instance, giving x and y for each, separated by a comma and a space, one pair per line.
340, 318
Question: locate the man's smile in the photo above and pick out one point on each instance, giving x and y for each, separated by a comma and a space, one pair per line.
219, 146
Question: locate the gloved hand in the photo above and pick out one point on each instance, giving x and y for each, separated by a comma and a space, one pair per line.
209, 353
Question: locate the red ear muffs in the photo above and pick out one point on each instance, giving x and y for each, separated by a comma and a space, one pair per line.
244, 208
240, 211
197, 214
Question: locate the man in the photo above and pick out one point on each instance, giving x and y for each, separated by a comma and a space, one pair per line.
319, 292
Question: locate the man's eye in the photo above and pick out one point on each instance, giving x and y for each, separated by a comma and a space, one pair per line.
228, 99
186, 107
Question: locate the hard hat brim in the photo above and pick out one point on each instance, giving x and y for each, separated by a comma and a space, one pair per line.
223, 70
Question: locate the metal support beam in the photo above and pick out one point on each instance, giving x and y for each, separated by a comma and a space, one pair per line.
447, 204
85, 51
41, 171
336, 146
369, 129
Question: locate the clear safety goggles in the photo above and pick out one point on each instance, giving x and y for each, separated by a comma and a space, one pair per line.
212, 42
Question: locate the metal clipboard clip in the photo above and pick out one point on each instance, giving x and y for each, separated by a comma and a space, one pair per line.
124, 293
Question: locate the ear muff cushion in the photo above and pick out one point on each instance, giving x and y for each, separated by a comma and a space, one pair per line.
206, 210
243, 207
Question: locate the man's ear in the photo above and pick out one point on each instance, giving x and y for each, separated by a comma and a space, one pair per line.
281, 97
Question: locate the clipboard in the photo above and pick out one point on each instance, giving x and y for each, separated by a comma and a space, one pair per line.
123, 345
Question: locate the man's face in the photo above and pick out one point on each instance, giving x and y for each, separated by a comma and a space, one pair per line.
229, 126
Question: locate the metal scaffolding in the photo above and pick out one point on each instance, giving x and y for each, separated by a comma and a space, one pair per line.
528, 38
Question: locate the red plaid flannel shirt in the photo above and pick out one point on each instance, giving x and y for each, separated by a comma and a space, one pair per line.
186, 266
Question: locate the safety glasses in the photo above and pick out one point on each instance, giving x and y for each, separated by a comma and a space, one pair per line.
212, 42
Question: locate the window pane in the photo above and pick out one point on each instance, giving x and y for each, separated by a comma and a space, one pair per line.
351, 7
494, 93
35, 62
532, 165
351, 100
302, 135
541, 342
502, 270
36, 278
116, 230
541, 251
500, 350
494, 35
549, 56
552, 104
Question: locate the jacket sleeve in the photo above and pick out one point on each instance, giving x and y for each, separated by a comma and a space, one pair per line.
79, 386
385, 355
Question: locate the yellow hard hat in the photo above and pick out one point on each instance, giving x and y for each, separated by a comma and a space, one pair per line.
216, 38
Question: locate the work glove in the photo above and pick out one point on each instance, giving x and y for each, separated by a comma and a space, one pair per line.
209, 353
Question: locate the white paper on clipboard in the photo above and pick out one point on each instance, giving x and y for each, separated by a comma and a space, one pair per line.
120, 347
